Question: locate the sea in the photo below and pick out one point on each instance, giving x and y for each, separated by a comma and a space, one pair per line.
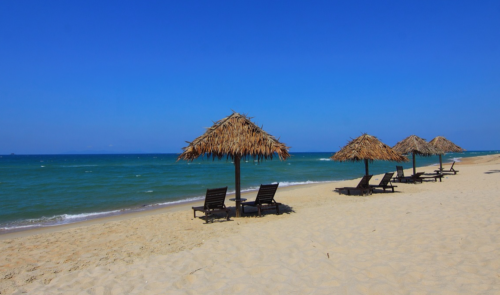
49, 190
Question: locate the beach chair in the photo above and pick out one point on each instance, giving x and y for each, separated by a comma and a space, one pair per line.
363, 187
451, 170
400, 176
214, 203
265, 199
417, 177
385, 183
433, 176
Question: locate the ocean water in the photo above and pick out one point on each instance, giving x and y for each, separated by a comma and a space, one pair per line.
48, 190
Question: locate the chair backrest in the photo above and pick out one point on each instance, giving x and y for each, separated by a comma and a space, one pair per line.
364, 182
451, 168
400, 171
266, 193
215, 198
386, 179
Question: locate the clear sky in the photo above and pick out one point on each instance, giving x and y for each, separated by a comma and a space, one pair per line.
146, 76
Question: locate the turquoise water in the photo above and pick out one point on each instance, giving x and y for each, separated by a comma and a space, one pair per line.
47, 190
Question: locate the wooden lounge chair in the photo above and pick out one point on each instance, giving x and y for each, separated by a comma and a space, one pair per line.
363, 186
402, 178
434, 176
265, 199
214, 203
449, 171
385, 183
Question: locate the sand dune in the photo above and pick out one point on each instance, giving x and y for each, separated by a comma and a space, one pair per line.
430, 238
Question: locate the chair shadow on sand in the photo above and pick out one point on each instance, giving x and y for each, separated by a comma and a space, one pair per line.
253, 212
221, 217
375, 191
492, 171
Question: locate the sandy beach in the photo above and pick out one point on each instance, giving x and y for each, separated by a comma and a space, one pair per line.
430, 238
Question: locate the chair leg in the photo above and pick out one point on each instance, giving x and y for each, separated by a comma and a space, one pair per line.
206, 216
258, 208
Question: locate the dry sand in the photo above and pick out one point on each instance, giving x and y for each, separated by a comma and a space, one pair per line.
430, 238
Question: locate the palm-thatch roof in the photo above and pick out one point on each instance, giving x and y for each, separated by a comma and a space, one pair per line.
416, 145
235, 136
367, 147
445, 145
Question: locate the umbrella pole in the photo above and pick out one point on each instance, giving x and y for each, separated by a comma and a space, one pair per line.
366, 166
414, 170
237, 184
440, 163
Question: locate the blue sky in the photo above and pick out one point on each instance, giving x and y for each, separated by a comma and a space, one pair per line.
146, 76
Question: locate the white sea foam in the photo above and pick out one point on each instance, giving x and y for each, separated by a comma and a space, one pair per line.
282, 184
150, 191
19, 227
188, 200
83, 216
325, 159
458, 159
292, 183
246, 190
55, 220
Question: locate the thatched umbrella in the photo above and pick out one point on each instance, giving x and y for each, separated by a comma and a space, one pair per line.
416, 146
367, 148
446, 146
235, 137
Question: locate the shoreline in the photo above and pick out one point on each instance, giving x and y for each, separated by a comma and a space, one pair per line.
66, 220
149, 209
425, 238
140, 212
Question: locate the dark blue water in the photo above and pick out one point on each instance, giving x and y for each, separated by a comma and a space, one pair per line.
45, 190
